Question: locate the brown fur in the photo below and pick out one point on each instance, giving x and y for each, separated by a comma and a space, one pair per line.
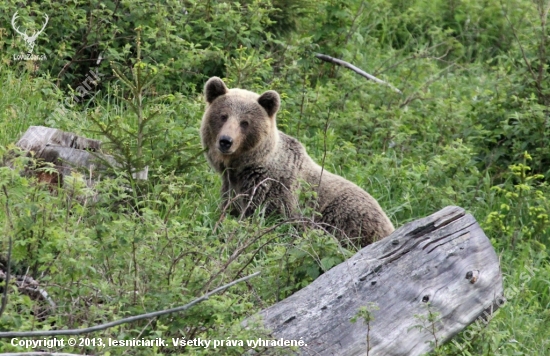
265, 167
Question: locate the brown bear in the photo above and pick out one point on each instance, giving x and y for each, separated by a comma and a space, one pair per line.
263, 167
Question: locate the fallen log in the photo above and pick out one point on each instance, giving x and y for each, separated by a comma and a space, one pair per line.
422, 285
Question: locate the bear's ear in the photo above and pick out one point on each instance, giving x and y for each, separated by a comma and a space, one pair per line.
213, 88
270, 101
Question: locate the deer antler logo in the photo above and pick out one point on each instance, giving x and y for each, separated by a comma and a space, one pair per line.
28, 39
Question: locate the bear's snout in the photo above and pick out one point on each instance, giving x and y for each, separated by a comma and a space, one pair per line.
225, 143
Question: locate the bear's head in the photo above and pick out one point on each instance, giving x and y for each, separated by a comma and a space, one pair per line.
237, 124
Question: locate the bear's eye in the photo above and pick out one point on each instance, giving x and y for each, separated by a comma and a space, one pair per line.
223, 117
244, 124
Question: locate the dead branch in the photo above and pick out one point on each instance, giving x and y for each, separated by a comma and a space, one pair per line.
125, 320
359, 71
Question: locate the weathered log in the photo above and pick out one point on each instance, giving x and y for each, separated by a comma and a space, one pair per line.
67, 150
442, 266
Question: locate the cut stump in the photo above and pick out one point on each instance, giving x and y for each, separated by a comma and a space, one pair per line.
67, 151
442, 265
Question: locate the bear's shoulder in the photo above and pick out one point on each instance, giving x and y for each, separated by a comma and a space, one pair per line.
289, 156
288, 142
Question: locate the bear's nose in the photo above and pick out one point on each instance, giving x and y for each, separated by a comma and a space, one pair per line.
225, 143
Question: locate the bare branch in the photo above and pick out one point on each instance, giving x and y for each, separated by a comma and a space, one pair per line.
125, 320
359, 71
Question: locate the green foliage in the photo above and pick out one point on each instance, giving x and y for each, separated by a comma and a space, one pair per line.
366, 314
292, 266
135, 137
471, 129
523, 198
199, 35
27, 102
428, 323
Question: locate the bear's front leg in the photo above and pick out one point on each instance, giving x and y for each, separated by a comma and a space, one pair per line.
227, 206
